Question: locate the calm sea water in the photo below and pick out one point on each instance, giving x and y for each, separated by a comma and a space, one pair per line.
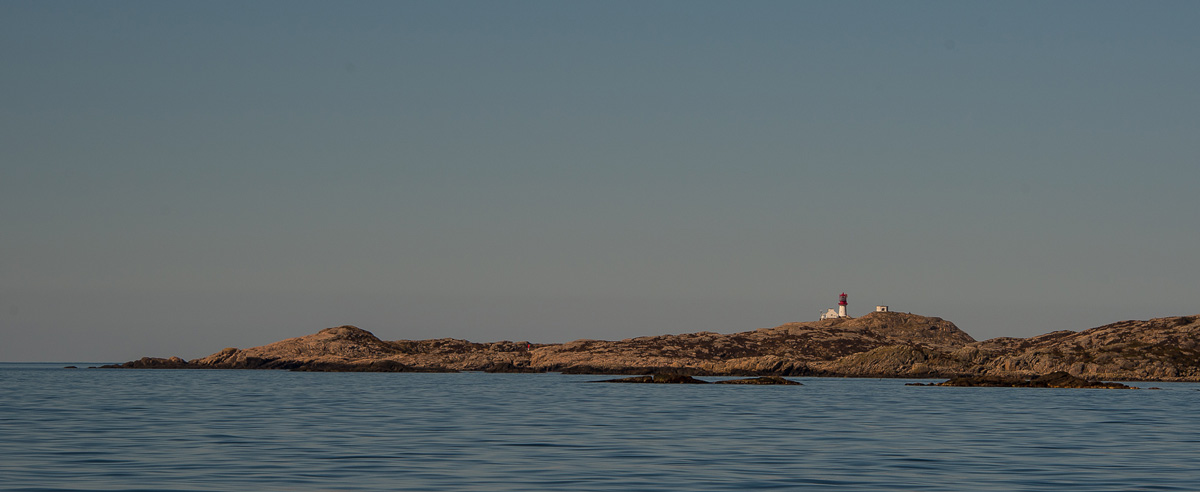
92, 429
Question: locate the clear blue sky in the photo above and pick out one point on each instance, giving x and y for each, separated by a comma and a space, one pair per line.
179, 177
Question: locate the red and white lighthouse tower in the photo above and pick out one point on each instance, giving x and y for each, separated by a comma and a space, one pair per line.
840, 312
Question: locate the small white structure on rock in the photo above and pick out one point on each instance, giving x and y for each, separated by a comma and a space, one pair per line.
881, 309
841, 310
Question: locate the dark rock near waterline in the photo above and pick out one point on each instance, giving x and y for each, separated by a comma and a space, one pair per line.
658, 379
373, 366
1058, 379
628, 370
762, 380
152, 363
507, 368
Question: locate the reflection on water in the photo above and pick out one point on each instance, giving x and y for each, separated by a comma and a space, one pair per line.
271, 430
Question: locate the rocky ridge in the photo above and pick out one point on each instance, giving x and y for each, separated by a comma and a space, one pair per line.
890, 344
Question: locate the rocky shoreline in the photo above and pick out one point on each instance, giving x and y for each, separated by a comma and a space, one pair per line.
887, 344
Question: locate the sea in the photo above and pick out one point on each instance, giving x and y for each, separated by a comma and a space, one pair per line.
228, 430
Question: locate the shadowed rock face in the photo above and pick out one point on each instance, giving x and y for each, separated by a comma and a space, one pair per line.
889, 344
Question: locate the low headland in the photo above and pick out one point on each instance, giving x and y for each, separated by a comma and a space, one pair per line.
881, 344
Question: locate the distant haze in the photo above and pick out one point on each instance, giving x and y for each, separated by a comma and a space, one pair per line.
179, 177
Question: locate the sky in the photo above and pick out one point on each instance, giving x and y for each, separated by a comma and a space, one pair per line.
181, 177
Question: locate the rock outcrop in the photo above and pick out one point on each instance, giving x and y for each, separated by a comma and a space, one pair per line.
1158, 349
794, 349
888, 344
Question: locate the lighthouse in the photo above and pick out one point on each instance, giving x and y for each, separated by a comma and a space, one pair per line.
840, 312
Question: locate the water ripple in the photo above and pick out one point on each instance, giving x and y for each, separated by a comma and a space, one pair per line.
270, 430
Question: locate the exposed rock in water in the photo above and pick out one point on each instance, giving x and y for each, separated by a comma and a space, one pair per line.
1059, 379
152, 363
658, 379
622, 370
685, 379
762, 380
368, 366
889, 344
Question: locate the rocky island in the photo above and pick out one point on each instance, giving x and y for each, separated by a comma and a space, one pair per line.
880, 344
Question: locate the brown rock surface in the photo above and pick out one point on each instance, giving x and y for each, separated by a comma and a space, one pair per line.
793, 349
1156, 349
889, 344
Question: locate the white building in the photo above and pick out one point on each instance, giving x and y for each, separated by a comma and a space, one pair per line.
841, 309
